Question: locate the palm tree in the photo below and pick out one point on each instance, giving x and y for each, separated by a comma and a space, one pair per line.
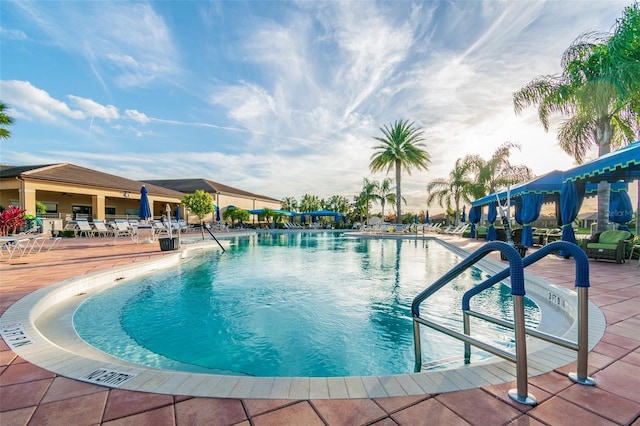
401, 147
451, 190
338, 203
5, 121
289, 204
385, 193
368, 194
497, 172
310, 203
597, 90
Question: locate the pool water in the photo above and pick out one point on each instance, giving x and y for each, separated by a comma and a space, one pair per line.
292, 304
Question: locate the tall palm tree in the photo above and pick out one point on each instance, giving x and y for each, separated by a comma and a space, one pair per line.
497, 172
5, 122
597, 90
290, 204
385, 194
401, 146
449, 191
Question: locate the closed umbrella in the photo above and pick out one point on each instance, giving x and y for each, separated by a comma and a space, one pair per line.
426, 217
217, 213
145, 209
463, 218
178, 213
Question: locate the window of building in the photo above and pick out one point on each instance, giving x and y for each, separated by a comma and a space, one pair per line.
110, 210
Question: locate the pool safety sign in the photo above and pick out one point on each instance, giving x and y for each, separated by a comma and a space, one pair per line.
107, 377
14, 335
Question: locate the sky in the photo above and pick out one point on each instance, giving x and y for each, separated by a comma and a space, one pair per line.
280, 98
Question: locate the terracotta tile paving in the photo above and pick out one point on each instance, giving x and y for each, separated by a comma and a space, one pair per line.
32, 395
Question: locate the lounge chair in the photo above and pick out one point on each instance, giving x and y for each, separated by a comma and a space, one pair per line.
121, 227
608, 245
83, 228
100, 229
460, 230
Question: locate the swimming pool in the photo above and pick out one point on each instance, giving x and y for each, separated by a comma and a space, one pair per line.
288, 304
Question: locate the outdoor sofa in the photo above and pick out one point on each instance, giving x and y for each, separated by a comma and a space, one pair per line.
608, 245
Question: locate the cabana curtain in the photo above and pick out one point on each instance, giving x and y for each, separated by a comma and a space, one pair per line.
620, 209
491, 217
475, 213
571, 197
529, 212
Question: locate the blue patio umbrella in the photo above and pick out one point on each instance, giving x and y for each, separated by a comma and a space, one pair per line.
415, 219
426, 217
178, 212
217, 209
463, 218
145, 209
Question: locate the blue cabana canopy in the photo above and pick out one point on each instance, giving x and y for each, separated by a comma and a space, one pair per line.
318, 213
548, 184
619, 165
284, 212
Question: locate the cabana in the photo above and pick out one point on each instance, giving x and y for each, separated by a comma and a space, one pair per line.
617, 167
527, 197
319, 213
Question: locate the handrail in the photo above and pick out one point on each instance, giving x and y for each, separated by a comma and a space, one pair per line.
582, 284
516, 271
520, 394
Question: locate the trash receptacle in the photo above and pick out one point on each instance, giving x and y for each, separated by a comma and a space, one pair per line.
522, 250
168, 244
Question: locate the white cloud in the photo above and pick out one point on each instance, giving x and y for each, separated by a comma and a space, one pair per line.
136, 116
23, 96
12, 34
93, 109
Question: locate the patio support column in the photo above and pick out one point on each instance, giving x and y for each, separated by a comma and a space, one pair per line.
27, 197
98, 206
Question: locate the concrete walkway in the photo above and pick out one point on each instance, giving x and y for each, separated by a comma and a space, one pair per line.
32, 395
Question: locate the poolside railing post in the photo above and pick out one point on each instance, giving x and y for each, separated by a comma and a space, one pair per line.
466, 323
581, 376
521, 394
417, 348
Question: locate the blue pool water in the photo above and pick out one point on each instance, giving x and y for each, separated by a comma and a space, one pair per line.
291, 304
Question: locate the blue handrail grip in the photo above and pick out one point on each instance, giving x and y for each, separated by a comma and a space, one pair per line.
515, 264
582, 268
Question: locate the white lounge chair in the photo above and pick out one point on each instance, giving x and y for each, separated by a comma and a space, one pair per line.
83, 227
100, 229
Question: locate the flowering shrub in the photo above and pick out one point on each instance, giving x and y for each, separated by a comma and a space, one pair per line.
11, 219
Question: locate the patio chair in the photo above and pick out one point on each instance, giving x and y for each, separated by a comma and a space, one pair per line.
608, 245
83, 227
100, 229
121, 227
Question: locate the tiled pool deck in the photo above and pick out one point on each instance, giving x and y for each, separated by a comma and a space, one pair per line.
32, 395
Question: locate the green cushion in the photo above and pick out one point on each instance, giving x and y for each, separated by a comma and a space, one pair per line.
602, 246
612, 237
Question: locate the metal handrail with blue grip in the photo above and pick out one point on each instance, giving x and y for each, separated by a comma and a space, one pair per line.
581, 283
516, 271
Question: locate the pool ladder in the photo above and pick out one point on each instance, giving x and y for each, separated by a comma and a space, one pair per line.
516, 271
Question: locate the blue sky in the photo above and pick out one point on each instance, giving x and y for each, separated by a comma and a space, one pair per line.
279, 98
